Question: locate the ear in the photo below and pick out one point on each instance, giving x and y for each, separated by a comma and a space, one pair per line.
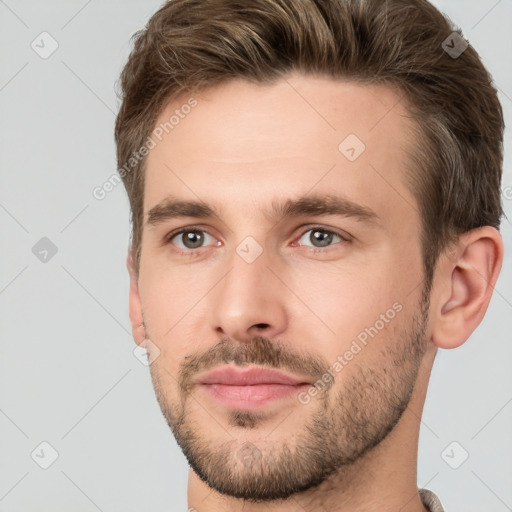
138, 328
463, 286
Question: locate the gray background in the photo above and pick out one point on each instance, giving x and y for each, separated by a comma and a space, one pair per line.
68, 375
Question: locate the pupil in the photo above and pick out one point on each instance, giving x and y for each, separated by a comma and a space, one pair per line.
324, 239
193, 239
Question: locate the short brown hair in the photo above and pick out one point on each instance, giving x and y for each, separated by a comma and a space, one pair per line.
456, 164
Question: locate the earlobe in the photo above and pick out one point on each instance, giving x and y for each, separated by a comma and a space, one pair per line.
135, 306
465, 285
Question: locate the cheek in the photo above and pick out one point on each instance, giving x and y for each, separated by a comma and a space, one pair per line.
166, 294
359, 314
346, 300
170, 301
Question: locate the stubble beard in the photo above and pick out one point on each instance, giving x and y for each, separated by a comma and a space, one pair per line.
341, 428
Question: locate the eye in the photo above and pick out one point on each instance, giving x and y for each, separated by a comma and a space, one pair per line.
320, 237
187, 239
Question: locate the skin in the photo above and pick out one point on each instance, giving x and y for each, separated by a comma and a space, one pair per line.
298, 306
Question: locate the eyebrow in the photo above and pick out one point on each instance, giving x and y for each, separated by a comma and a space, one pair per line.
312, 205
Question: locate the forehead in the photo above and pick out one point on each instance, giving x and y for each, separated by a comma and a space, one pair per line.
241, 145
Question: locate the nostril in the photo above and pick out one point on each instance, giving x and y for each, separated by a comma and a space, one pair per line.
261, 326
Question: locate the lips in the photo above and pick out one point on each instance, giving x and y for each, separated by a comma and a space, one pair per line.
251, 387
253, 376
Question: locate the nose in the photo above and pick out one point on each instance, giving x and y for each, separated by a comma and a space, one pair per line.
250, 301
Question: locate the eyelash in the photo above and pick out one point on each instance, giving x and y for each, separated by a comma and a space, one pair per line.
191, 252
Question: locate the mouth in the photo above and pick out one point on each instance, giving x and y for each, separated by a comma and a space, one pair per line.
251, 387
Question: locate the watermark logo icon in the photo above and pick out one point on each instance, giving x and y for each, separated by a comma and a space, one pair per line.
352, 147
248, 454
146, 352
249, 249
44, 250
44, 455
454, 45
45, 45
455, 455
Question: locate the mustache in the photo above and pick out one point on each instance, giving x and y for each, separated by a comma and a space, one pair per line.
259, 351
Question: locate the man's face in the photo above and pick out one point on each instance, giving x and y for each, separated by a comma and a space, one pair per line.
330, 296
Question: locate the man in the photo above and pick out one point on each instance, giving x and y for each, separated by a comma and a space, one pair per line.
315, 196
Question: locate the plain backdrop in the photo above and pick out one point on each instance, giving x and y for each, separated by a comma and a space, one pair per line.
68, 374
